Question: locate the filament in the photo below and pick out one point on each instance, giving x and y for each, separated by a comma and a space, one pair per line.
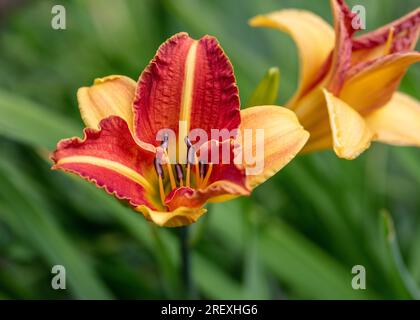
197, 172
389, 41
207, 177
179, 174
161, 191
170, 173
188, 175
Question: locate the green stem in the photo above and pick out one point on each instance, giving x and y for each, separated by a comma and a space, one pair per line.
185, 261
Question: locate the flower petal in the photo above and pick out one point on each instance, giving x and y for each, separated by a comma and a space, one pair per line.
371, 85
341, 57
372, 45
111, 159
112, 95
351, 135
181, 216
398, 122
284, 137
222, 156
189, 81
218, 191
313, 36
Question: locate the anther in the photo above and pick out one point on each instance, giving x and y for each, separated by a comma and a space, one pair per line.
164, 147
158, 168
165, 142
179, 174
159, 171
188, 142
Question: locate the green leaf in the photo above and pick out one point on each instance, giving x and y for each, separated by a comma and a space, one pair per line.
404, 284
38, 226
254, 274
312, 273
290, 257
266, 91
213, 281
26, 121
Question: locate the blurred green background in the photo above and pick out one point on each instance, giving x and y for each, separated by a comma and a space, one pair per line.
297, 236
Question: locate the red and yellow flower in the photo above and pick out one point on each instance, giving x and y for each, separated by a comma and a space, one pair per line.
347, 95
189, 81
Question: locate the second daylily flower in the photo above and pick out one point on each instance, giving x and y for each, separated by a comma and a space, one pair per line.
346, 97
192, 82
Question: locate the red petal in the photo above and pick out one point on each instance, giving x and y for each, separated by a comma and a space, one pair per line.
187, 197
406, 31
343, 45
187, 80
228, 171
215, 102
110, 158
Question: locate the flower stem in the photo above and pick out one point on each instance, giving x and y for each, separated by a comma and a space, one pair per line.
185, 261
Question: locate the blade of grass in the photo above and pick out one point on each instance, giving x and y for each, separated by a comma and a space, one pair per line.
28, 122
43, 232
401, 278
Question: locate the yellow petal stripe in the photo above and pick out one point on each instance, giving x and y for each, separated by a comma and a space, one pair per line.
111, 165
187, 91
186, 98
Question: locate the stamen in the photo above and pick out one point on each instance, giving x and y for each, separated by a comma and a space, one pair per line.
165, 142
202, 169
179, 174
188, 175
159, 171
188, 142
197, 173
164, 147
161, 191
170, 173
191, 159
158, 168
190, 153
207, 177
388, 45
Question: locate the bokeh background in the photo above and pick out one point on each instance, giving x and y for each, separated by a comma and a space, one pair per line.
297, 236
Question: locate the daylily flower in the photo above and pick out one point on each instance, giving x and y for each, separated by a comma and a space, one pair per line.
347, 92
189, 81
